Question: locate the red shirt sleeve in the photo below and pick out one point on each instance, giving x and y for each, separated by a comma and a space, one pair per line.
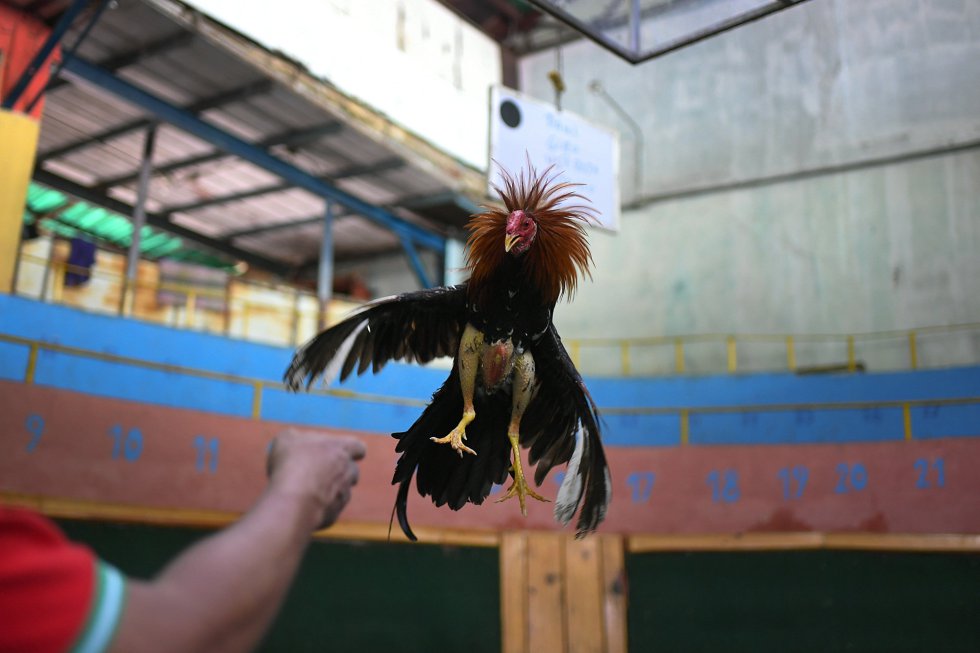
47, 584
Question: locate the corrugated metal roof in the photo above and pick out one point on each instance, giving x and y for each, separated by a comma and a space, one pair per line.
92, 139
60, 214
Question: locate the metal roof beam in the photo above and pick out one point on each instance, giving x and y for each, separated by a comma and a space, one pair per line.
292, 137
127, 59
415, 262
343, 173
255, 231
94, 197
225, 199
385, 165
226, 97
190, 123
422, 202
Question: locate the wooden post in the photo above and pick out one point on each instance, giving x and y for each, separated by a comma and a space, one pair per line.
583, 595
562, 594
624, 354
678, 355
226, 317
732, 355
513, 592
546, 625
189, 308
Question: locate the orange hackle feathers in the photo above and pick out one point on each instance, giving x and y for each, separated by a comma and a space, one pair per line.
560, 251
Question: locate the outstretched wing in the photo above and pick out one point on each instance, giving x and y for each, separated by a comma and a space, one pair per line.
562, 424
417, 326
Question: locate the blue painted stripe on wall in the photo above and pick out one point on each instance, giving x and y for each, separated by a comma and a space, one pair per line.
32, 319
105, 379
744, 389
641, 430
324, 410
160, 344
797, 427
13, 361
945, 421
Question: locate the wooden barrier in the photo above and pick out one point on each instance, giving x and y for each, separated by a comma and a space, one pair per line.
562, 594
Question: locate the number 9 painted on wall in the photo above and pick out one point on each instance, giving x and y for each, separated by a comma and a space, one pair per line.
35, 426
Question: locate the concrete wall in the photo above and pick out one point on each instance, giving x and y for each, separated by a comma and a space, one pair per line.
415, 61
815, 171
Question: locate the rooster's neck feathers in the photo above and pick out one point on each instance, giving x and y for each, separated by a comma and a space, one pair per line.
560, 251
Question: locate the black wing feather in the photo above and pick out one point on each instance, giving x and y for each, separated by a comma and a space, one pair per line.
418, 326
562, 405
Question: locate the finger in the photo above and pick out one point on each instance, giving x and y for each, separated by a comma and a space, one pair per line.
343, 497
354, 448
354, 474
270, 457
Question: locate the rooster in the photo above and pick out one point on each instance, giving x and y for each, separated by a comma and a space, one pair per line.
512, 384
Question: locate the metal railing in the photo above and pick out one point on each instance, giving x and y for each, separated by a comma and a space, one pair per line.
683, 413
729, 346
296, 322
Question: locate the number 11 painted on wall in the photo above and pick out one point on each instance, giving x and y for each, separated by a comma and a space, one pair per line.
207, 454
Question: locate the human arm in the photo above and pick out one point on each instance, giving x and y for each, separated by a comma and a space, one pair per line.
222, 594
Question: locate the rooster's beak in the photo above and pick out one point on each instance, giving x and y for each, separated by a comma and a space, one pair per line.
510, 240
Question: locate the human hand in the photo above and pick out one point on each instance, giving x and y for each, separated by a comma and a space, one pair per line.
316, 468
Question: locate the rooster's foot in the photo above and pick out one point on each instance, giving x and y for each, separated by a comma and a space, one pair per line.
458, 434
519, 487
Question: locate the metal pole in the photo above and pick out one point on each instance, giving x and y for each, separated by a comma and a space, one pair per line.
635, 27
139, 220
46, 279
294, 323
324, 283
415, 261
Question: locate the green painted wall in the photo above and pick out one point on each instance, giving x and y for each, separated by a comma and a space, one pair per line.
348, 596
819, 601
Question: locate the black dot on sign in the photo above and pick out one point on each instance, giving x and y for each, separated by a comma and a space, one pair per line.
509, 113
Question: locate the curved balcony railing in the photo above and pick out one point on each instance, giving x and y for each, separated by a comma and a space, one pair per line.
277, 314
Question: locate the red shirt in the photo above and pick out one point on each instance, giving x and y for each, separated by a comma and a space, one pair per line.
55, 596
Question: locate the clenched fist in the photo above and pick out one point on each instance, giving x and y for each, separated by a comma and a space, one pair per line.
317, 468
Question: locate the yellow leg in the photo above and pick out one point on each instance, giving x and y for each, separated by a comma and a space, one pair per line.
469, 361
524, 388
519, 487
458, 434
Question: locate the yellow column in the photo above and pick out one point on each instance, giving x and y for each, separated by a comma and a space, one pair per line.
18, 133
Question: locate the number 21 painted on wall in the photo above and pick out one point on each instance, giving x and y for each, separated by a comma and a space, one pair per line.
922, 467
